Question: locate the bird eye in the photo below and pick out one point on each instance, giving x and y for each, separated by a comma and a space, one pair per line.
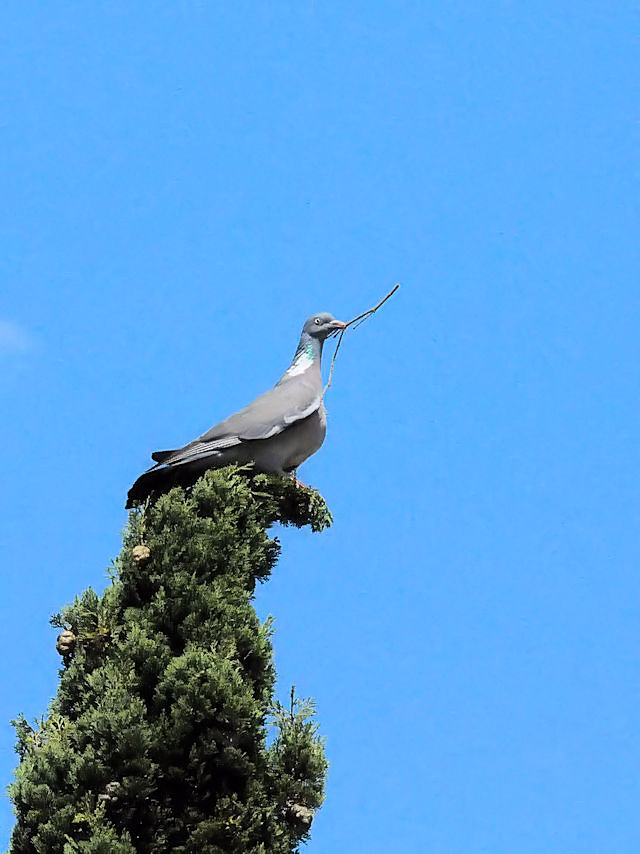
317, 321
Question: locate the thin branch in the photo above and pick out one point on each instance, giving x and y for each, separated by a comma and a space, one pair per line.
357, 320
367, 314
333, 361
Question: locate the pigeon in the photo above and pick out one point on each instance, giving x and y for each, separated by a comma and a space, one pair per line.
276, 432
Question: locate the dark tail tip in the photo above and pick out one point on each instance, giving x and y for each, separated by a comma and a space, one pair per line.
147, 483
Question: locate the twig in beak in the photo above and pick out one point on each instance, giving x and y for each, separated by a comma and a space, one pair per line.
367, 314
358, 321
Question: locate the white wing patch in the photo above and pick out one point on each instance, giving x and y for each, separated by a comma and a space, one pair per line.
299, 416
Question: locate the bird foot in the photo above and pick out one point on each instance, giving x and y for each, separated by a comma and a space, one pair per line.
297, 483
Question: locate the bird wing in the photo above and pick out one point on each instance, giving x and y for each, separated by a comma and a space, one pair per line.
266, 416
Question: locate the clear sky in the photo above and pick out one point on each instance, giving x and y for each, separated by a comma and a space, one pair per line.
182, 184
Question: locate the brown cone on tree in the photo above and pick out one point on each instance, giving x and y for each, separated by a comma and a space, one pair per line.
141, 553
301, 813
66, 642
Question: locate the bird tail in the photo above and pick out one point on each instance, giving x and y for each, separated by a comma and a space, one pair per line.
159, 479
147, 483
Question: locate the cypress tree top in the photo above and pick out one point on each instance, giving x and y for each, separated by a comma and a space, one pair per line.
157, 739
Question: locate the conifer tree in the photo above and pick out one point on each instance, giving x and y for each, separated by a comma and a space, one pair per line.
157, 739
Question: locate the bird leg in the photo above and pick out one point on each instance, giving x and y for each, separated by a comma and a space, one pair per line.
293, 474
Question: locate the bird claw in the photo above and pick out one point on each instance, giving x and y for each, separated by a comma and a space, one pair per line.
297, 483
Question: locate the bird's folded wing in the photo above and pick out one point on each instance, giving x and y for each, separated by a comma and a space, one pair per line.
266, 416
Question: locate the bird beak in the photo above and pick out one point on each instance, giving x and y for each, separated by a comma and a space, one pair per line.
337, 324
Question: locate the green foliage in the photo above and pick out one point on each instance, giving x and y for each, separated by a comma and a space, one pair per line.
156, 740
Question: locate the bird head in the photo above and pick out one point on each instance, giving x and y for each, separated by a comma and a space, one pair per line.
321, 325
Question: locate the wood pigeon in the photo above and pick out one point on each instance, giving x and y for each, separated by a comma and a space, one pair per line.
277, 432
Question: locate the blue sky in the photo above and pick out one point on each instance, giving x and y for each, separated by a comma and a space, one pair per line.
182, 185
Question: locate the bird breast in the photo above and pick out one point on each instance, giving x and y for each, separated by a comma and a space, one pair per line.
306, 437
294, 445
